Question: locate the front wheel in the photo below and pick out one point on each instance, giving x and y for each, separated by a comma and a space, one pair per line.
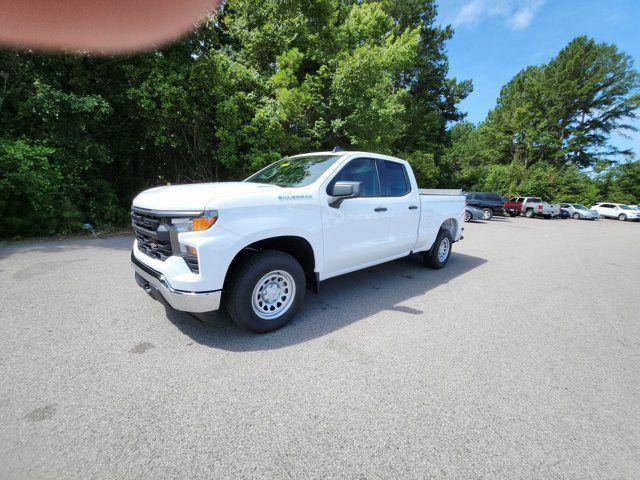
467, 216
440, 252
487, 214
622, 217
529, 213
513, 214
265, 291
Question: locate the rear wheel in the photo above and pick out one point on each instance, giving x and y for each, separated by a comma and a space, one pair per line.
487, 214
529, 213
576, 216
467, 216
622, 217
440, 252
513, 214
265, 291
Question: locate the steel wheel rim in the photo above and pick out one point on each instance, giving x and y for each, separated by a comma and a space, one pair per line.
273, 294
443, 249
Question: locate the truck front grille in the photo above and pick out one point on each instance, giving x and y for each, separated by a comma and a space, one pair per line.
154, 248
153, 233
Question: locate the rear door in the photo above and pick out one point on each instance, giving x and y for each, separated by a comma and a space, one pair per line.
403, 206
607, 210
473, 199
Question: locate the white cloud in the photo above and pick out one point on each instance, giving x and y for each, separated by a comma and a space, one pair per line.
517, 14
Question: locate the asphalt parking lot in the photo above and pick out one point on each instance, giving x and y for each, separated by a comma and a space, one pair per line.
520, 359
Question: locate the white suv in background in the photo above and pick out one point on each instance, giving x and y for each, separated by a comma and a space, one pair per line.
616, 210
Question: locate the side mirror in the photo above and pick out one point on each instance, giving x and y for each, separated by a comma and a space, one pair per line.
343, 190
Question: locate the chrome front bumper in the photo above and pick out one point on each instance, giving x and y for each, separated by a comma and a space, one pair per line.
157, 286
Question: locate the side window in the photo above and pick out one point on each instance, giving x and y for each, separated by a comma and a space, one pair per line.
520, 199
394, 179
361, 170
497, 198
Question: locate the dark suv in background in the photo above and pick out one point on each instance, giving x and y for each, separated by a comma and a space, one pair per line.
490, 203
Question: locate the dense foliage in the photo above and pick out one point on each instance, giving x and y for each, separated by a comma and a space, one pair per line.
549, 133
80, 136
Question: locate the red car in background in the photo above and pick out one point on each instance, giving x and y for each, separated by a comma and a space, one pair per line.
513, 206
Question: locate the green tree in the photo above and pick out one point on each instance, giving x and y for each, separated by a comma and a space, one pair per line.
565, 111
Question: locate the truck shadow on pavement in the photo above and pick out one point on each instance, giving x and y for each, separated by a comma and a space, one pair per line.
342, 301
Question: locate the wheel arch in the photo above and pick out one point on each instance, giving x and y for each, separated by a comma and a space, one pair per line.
451, 225
298, 247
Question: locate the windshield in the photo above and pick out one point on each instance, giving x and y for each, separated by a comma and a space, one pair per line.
626, 207
579, 207
294, 171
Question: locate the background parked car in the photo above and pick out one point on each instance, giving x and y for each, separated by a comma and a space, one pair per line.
472, 213
513, 206
616, 210
532, 206
490, 203
564, 213
579, 212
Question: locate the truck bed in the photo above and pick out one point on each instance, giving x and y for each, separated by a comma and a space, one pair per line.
436, 207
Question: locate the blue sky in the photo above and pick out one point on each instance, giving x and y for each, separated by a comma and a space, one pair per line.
494, 39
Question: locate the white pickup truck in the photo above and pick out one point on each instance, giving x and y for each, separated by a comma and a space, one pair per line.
255, 246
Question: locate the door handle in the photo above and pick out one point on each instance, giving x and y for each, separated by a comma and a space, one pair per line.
380, 209
413, 207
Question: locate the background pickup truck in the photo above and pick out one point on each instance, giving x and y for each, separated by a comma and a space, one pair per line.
255, 246
531, 206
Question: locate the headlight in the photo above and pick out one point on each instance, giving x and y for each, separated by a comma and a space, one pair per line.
195, 224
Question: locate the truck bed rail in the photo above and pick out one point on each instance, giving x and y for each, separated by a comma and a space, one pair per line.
440, 191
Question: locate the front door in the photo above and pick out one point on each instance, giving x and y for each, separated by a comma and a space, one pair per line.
355, 233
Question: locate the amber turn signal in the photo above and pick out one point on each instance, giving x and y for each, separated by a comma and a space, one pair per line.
203, 223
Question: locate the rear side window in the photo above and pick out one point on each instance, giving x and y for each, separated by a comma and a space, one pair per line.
361, 170
496, 198
394, 179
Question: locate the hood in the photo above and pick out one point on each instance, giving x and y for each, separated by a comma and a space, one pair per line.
194, 196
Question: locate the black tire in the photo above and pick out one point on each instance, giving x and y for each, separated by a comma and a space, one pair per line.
529, 213
244, 279
431, 258
622, 217
513, 214
467, 216
487, 214
576, 216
